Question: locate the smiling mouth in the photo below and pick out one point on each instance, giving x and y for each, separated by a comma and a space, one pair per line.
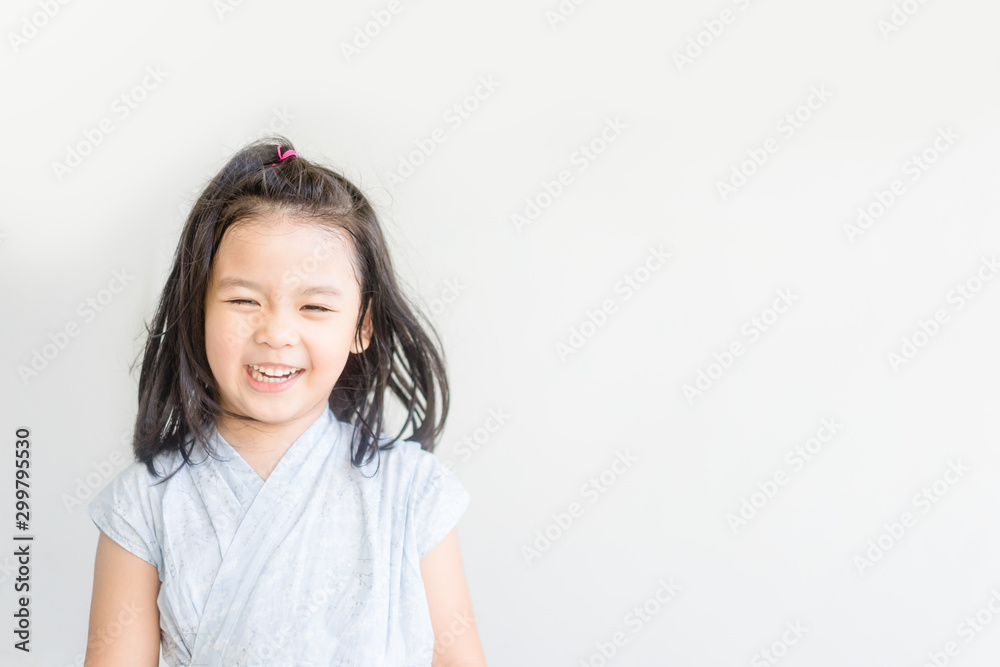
272, 375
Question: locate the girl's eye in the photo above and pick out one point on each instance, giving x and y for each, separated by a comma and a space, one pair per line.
316, 308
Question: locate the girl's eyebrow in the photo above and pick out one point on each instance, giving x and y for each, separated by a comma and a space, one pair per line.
249, 284
329, 290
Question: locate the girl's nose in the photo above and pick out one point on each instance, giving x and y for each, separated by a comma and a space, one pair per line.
275, 330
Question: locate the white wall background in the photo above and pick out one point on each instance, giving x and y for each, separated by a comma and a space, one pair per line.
228, 75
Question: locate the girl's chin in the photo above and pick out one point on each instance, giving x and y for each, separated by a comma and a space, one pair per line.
269, 414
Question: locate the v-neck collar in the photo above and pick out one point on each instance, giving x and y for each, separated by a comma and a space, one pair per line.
244, 480
265, 523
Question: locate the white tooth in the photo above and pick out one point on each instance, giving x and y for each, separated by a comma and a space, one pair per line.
272, 375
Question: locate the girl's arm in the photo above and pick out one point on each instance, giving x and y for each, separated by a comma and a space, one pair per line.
124, 619
456, 641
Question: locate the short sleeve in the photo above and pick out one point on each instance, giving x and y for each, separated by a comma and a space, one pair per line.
123, 511
437, 501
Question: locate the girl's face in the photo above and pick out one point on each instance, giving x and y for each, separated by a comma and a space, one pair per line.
280, 314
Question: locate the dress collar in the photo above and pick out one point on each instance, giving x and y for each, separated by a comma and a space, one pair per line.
244, 480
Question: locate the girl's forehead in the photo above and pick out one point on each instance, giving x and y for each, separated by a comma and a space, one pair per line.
264, 229
289, 236
286, 248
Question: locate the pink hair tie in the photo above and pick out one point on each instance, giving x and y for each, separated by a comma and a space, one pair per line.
288, 153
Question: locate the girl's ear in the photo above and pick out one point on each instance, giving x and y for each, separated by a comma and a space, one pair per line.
366, 332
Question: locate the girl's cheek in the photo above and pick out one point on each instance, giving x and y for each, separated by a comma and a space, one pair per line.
237, 330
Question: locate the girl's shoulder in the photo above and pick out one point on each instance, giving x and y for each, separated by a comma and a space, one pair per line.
129, 509
415, 476
403, 460
426, 490
135, 482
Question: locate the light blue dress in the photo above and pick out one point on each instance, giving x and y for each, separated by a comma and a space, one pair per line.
317, 565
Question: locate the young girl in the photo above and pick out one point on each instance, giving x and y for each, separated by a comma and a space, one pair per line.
267, 519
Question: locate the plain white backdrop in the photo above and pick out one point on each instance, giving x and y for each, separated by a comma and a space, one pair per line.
717, 537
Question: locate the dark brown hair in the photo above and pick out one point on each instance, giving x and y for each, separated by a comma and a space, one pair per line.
178, 393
